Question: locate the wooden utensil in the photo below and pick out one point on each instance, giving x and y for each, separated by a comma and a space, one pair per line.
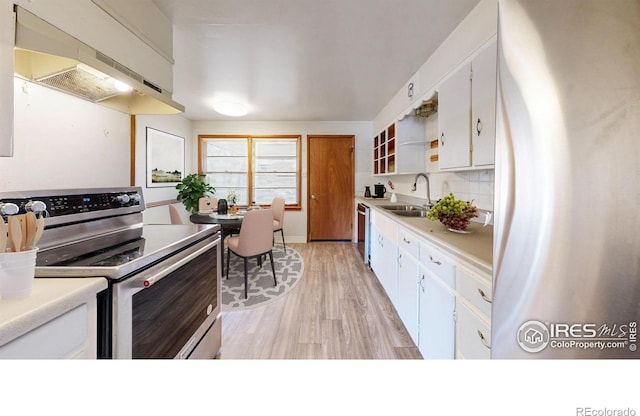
30, 220
15, 233
23, 231
3, 236
39, 230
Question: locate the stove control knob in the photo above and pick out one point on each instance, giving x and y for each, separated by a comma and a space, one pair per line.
123, 199
136, 198
35, 206
9, 208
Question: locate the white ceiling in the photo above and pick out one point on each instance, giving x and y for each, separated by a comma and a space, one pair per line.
303, 59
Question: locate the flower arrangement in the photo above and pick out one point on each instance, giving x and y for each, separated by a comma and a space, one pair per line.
232, 197
454, 213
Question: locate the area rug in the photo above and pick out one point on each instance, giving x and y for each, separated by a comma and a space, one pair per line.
289, 269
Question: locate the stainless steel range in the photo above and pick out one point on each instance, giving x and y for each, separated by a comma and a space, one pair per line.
163, 298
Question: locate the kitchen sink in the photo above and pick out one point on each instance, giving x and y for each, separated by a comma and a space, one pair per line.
412, 213
407, 210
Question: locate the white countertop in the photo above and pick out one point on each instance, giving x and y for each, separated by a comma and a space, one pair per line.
50, 298
475, 248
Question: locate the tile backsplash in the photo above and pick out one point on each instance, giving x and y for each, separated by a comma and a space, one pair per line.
475, 185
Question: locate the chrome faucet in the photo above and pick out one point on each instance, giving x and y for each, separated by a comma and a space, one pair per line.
429, 205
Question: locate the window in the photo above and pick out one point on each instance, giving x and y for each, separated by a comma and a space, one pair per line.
256, 168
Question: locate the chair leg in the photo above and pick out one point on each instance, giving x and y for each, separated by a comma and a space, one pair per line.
246, 279
273, 269
285, 246
228, 255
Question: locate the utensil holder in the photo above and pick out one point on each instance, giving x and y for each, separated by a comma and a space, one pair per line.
17, 271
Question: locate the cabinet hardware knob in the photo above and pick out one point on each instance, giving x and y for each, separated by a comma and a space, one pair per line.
483, 339
313, 197
435, 261
483, 296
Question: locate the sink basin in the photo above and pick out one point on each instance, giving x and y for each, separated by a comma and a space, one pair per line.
412, 213
407, 208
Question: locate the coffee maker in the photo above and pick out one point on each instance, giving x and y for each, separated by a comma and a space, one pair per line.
379, 190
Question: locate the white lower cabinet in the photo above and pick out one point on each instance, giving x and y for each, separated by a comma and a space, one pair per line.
473, 312
444, 303
437, 318
383, 254
473, 334
407, 294
71, 335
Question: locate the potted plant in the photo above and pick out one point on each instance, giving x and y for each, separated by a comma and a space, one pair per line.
454, 213
191, 189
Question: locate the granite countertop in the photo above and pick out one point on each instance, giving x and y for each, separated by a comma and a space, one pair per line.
51, 297
475, 248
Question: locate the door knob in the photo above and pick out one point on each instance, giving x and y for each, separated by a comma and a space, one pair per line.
313, 197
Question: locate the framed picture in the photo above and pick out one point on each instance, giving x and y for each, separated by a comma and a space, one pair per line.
165, 159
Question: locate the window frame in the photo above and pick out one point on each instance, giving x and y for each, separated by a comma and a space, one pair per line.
202, 138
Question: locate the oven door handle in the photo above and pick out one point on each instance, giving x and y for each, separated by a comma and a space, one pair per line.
148, 281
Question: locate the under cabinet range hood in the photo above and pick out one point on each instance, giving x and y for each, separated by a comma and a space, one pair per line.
48, 56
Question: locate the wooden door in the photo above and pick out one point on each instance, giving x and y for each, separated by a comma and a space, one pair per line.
330, 187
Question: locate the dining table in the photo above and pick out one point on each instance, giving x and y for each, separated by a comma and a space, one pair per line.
229, 224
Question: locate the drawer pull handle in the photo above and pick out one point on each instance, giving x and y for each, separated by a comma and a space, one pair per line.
406, 241
435, 261
483, 296
483, 339
421, 283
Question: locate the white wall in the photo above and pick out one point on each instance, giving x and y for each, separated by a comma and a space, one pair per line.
64, 142
296, 222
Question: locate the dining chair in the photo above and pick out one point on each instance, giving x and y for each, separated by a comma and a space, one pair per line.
174, 214
277, 206
255, 240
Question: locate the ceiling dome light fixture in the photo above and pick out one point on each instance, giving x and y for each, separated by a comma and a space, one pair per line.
230, 108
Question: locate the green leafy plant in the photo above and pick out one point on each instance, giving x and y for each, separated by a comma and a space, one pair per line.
191, 189
453, 213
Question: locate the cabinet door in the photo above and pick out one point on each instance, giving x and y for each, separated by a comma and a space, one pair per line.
389, 277
483, 104
473, 334
454, 116
408, 293
436, 336
376, 252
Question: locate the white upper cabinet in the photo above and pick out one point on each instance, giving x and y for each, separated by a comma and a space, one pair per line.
483, 106
400, 148
454, 115
466, 114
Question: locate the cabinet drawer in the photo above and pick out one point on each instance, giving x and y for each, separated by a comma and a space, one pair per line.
408, 242
434, 261
476, 290
473, 334
385, 226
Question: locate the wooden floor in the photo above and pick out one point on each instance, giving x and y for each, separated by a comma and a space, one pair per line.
338, 310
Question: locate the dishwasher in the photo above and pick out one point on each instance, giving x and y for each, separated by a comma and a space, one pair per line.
364, 232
